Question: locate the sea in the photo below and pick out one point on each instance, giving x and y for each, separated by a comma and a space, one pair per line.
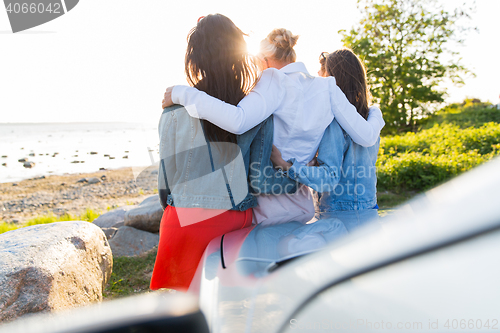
62, 148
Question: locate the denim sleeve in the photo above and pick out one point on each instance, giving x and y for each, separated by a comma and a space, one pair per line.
325, 177
166, 130
263, 177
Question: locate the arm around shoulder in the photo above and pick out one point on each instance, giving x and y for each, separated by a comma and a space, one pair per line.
363, 132
259, 104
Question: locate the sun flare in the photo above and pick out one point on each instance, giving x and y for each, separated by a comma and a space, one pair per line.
253, 44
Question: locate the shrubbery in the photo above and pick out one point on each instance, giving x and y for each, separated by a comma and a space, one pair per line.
453, 141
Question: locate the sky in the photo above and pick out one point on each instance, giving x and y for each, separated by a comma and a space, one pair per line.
111, 60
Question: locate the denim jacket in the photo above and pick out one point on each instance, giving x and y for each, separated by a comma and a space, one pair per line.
194, 172
346, 176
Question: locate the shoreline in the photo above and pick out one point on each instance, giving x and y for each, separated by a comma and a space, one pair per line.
61, 194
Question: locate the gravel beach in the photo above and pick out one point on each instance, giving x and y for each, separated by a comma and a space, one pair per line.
74, 193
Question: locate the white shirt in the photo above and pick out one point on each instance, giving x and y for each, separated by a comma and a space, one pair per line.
303, 106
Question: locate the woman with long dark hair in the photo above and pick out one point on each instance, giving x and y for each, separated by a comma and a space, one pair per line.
205, 175
345, 176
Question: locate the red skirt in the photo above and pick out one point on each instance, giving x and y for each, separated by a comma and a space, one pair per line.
184, 235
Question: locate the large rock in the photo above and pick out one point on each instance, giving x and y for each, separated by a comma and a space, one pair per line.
114, 218
147, 216
128, 242
51, 267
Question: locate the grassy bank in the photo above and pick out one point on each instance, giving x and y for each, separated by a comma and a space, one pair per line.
131, 275
88, 215
449, 143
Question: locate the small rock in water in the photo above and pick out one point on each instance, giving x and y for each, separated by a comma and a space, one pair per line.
126, 156
82, 161
111, 158
22, 160
94, 180
106, 155
32, 154
29, 164
75, 162
127, 151
83, 180
40, 154
74, 155
93, 153
4, 156
4, 164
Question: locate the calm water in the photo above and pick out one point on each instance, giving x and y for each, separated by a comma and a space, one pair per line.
57, 146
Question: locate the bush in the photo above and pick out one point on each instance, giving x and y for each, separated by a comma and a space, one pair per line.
419, 161
467, 114
414, 171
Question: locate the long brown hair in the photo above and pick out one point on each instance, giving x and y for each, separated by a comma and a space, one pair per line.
217, 62
350, 74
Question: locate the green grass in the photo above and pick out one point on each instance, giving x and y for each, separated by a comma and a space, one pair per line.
4, 227
389, 200
453, 141
466, 114
131, 275
88, 215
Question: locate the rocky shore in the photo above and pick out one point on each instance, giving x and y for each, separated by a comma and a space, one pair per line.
56, 266
73, 193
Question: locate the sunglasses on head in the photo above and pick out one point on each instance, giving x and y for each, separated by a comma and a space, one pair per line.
323, 55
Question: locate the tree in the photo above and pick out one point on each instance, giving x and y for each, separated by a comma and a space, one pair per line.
403, 44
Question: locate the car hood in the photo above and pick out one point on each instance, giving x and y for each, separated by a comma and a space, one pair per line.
460, 209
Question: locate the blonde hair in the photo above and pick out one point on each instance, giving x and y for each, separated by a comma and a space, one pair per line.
279, 45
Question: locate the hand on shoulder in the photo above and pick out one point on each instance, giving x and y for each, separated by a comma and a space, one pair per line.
167, 98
